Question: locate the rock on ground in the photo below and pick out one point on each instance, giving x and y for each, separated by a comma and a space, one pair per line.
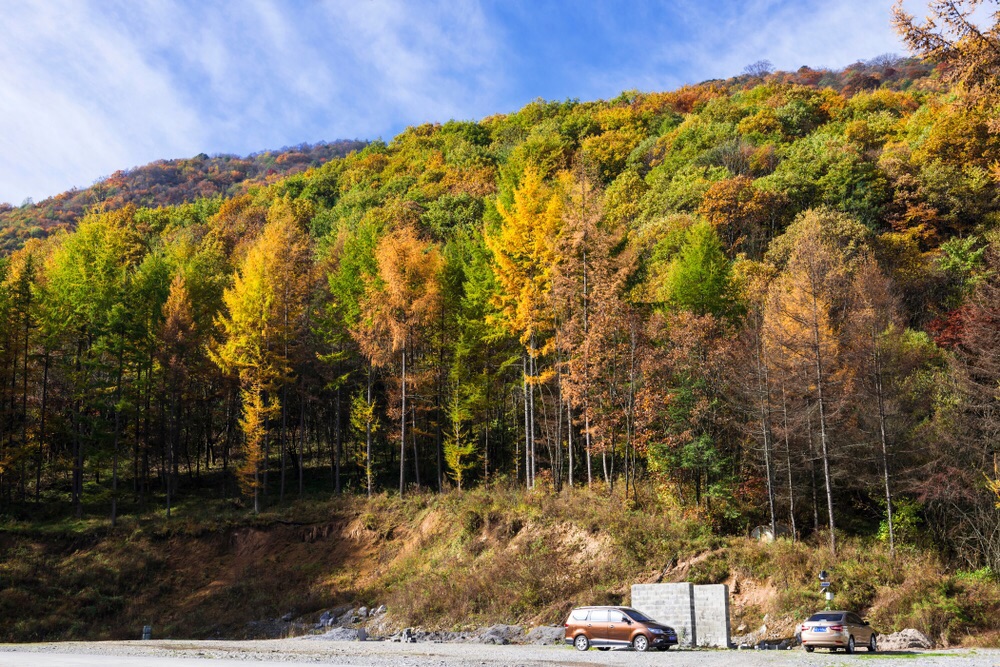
904, 640
502, 634
335, 635
546, 634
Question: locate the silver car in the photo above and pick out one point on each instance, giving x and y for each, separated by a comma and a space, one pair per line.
837, 629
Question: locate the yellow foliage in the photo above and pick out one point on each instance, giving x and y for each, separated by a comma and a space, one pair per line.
524, 253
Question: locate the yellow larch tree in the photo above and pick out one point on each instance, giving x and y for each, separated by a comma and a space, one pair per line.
524, 252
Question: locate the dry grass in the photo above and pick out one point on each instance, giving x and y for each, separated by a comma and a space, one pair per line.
452, 561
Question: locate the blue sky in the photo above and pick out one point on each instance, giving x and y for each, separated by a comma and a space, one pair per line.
89, 87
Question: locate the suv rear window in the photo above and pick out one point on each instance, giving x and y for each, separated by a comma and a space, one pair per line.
579, 614
826, 617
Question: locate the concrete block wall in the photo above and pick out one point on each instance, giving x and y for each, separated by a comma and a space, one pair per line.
699, 614
711, 615
670, 604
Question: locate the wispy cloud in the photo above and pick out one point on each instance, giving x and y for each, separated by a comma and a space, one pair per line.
90, 87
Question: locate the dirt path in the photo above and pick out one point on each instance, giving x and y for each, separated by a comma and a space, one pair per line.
292, 652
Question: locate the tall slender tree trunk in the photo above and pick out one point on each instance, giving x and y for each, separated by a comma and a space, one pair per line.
812, 468
114, 453
368, 435
823, 436
788, 461
402, 428
336, 444
883, 436
302, 441
764, 400
77, 440
531, 394
24, 401
527, 426
569, 443
41, 427
283, 443
413, 439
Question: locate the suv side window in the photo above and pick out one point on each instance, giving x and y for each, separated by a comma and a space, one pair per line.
615, 616
599, 616
580, 614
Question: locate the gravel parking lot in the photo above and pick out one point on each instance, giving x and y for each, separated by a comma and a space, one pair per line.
290, 652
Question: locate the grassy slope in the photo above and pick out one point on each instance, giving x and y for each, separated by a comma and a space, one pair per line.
451, 561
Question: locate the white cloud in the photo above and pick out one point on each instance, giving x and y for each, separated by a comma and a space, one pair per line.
90, 87
78, 100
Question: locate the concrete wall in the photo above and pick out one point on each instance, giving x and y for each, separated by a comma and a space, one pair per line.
711, 615
699, 614
670, 604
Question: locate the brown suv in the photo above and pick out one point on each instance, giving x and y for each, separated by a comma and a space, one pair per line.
605, 627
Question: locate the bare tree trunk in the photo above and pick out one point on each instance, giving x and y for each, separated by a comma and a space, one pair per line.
41, 428
302, 439
368, 435
402, 429
283, 443
823, 438
413, 440
812, 468
77, 442
764, 400
788, 460
336, 444
880, 400
531, 395
569, 441
527, 426
114, 454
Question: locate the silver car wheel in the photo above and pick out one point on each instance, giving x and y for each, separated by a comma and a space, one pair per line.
581, 643
640, 643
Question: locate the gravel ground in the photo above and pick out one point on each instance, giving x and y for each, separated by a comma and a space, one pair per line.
291, 652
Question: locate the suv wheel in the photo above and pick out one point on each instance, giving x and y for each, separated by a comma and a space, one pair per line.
872, 647
850, 645
581, 643
640, 643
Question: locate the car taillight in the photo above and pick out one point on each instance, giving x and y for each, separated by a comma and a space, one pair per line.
804, 627
565, 625
837, 628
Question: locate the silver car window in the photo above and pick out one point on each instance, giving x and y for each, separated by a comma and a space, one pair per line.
615, 617
580, 614
599, 615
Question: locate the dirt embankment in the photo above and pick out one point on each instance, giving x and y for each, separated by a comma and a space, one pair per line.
456, 562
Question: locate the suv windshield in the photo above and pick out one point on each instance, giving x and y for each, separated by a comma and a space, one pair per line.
637, 616
826, 617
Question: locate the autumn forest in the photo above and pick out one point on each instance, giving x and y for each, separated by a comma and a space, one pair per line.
772, 300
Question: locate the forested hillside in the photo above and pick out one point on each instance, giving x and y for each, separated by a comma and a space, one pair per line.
162, 183
769, 299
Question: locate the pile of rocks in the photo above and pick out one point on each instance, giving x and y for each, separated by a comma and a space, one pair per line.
904, 640
546, 634
347, 615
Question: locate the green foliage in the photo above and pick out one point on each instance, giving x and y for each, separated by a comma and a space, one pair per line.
577, 260
905, 523
700, 278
